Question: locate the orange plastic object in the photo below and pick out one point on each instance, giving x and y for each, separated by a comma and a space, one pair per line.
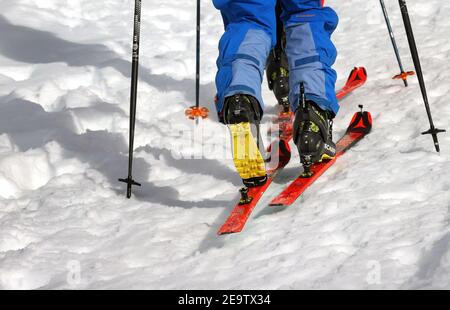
403, 76
197, 112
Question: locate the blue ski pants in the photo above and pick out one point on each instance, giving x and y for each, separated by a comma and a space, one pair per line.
250, 34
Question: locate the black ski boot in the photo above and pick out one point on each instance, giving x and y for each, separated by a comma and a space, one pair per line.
277, 70
277, 66
242, 114
313, 129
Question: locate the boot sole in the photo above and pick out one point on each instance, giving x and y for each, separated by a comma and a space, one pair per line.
247, 157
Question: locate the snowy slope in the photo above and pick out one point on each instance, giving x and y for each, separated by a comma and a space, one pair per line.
378, 219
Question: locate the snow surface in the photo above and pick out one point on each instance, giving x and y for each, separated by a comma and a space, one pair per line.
379, 218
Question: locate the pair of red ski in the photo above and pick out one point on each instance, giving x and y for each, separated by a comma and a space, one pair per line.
360, 126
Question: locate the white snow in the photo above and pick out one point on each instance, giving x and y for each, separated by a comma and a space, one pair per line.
379, 218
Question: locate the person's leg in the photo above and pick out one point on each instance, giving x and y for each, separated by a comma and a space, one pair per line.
311, 52
311, 55
277, 67
250, 33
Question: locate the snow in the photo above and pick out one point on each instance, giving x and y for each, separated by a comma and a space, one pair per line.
379, 218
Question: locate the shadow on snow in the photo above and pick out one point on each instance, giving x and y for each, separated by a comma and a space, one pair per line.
30, 126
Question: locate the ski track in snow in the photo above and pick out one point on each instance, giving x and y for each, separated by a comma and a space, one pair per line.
379, 218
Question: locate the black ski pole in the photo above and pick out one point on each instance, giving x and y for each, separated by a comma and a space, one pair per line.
195, 112
403, 75
197, 57
133, 96
433, 131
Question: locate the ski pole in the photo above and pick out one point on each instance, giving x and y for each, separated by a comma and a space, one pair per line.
196, 111
403, 75
133, 96
433, 131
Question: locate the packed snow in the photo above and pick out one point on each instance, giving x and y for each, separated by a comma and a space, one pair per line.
379, 218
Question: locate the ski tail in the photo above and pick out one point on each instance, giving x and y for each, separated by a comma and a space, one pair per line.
361, 122
356, 79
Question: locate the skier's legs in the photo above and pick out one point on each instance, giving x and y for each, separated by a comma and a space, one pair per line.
310, 51
250, 33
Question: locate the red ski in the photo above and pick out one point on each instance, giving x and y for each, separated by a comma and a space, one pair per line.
241, 212
359, 127
357, 78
